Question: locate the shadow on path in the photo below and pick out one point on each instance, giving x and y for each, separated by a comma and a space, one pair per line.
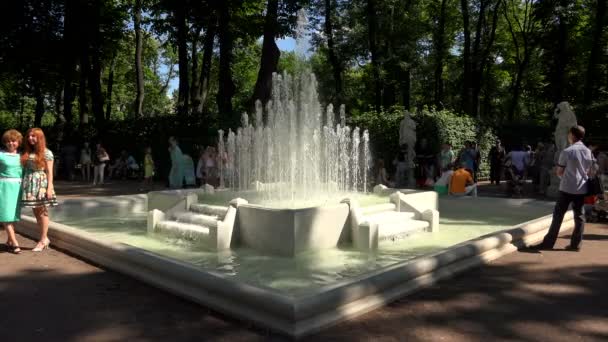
525, 297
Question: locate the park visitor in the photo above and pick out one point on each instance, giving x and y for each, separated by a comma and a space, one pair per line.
176, 175
497, 155
573, 167
85, 162
445, 158
37, 190
101, 158
381, 174
10, 186
148, 168
462, 183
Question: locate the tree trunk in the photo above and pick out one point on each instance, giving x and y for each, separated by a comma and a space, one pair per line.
481, 60
194, 83
95, 87
595, 54
69, 62
331, 50
206, 68
182, 53
226, 84
109, 88
39, 109
270, 55
466, 59
406, 89
372, 26
95, 73
83, 110
558, 83
59, 118
139, 72
439, 56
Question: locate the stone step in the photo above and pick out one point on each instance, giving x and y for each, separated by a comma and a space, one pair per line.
390, 217
378, 208
207, 209
198, 219
188, 231
395, 231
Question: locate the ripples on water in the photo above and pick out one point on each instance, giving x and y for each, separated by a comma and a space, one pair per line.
310, 270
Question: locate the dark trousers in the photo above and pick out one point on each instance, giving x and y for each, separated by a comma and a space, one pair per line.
561, 207
495, 171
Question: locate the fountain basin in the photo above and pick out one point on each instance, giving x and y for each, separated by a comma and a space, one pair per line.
288, 232
290, 314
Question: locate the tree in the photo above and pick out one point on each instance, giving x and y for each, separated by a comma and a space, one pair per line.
226, 88
441, 48
595, 53
477, 50
270, 54
372, 40
139, 79
523, 26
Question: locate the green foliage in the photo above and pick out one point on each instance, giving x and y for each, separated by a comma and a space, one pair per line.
437, 127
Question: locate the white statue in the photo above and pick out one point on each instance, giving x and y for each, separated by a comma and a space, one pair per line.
407, 130
565, 120
407, 137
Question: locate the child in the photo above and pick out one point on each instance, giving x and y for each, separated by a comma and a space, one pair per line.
148, 168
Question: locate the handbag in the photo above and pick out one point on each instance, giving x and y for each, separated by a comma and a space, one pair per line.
594, 186
104, 158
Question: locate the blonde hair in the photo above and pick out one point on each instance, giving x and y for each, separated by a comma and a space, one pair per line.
12, 135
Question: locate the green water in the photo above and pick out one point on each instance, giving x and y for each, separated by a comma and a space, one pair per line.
461, 219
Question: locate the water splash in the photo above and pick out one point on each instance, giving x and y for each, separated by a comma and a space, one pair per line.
298, 153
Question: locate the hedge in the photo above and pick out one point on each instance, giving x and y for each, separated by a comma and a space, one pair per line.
437, 127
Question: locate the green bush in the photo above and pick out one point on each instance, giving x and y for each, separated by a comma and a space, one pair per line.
437, 127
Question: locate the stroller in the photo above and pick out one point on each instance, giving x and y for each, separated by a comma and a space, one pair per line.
597, 212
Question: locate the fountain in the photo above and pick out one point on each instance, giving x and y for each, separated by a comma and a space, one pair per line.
294, 153
291, 240
296, 174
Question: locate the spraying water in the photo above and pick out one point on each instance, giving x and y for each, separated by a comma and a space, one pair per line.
298, 152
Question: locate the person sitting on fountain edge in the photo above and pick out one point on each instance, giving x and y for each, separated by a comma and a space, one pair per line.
462, 182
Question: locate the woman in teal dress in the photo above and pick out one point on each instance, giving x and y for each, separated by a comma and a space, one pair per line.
38, 191
10, 186
176, 175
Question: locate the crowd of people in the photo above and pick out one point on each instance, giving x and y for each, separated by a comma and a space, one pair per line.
516, 167
97, 166
428, 168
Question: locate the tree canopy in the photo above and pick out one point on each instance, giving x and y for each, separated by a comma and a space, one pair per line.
82, 64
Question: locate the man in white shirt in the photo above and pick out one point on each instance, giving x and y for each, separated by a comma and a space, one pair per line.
573, 166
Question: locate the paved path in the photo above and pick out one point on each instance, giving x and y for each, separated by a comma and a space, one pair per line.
549, 296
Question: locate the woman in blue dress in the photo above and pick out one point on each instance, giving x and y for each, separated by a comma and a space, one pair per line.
38, 191
176, 175
10, 186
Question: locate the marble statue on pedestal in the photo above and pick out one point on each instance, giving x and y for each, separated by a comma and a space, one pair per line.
565, 120
407, 140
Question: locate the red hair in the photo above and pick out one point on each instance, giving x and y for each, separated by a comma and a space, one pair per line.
37, 149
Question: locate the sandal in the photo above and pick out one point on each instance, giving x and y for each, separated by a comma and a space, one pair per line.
15, 249
41, 245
